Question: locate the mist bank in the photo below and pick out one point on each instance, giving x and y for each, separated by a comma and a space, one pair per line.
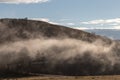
60, 56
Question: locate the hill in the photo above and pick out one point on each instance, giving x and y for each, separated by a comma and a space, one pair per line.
17, 29
37, 47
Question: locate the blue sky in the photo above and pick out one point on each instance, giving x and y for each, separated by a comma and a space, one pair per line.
74, 13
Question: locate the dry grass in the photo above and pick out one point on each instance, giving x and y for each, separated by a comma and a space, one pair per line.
115, 77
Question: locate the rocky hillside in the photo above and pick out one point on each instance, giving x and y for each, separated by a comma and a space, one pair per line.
22, 29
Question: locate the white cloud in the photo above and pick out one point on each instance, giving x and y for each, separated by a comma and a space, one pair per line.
114, 24
94, 22
41, 19
70, 24
116, 27
81, 28
103, 21
23, 1
110, 27
44, 19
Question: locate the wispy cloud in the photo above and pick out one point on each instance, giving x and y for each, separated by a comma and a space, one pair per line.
70, 24
45, 20
104, 21
41, 19
22, 1
80, 28
116, 27
110, 27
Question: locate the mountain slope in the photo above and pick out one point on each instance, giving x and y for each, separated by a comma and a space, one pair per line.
36, 47
17, 29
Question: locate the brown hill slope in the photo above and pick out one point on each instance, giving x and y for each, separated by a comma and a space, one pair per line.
36, 47
17, 29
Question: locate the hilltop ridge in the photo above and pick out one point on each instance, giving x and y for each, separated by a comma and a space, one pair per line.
17, 29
